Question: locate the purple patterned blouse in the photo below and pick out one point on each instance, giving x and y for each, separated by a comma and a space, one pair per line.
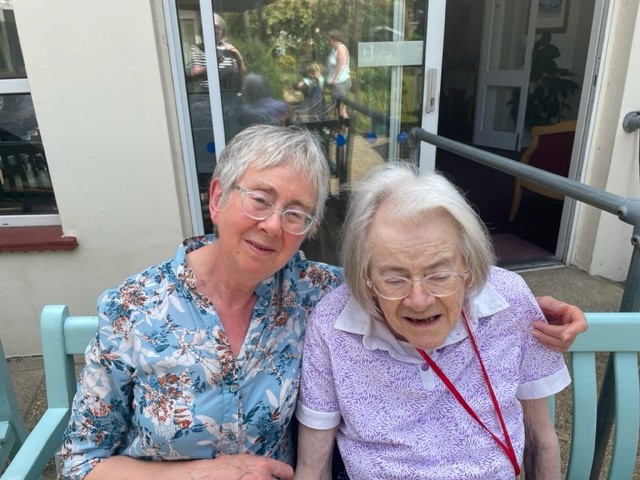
396, 418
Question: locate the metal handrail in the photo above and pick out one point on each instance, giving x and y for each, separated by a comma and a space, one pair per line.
627, 210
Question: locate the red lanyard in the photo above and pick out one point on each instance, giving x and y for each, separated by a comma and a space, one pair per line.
506, 445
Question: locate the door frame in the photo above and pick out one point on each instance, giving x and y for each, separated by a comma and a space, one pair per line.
433, 53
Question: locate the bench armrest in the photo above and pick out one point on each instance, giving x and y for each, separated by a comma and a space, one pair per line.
39, 447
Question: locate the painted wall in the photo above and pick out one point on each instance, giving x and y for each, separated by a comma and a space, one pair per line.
102, 94
602, 241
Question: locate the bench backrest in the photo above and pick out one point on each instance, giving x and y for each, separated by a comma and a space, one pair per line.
618, 333
64, 336
12, 428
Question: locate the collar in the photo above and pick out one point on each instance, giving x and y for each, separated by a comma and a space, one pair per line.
376, 335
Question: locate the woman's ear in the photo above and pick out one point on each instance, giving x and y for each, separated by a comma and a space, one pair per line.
468, 281
215, 199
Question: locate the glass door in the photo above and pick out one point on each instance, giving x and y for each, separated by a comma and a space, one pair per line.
505, 65
360, 74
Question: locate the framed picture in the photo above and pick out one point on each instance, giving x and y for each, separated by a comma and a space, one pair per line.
552, 16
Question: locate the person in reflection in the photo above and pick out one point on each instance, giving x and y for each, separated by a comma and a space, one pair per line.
260, 106
231, 71
312, 88
231, 65
194, 370
423, 364
338, 76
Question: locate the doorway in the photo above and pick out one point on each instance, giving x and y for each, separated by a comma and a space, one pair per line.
536, 235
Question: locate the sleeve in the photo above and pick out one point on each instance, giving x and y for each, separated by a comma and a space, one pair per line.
101, 408
196, 57
543, 372
318, 405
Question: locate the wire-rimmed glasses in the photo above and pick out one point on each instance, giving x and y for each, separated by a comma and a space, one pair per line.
438, 284
258, 206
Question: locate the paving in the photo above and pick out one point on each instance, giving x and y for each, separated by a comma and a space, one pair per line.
590, 293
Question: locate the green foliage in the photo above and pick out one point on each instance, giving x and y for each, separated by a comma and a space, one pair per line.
279, 40
259, 59
549, 87
287, 62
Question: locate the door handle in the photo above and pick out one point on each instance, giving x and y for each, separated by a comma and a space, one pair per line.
432, 79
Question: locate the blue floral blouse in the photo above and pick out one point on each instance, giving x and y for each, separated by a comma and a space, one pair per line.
160, 380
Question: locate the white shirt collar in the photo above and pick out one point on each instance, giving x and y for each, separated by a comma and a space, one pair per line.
376, 335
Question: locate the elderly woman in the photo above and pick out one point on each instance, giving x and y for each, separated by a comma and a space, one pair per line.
196, 360
423, 365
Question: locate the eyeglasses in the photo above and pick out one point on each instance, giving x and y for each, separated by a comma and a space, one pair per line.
439, 284
258, 206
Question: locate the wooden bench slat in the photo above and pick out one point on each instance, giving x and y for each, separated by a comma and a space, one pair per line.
583, 433
627, 421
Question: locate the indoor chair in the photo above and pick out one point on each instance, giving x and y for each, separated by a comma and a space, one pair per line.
550, 150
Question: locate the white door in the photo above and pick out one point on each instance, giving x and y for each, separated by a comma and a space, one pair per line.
508, 35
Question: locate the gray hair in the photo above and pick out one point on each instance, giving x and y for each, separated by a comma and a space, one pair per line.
219, 22
413, 198
268, 146
255, 88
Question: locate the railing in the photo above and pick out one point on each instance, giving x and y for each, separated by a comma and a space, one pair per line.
626, 209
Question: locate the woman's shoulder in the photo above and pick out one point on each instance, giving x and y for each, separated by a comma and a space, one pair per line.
139, 292
502, 279
314, 270
511, 287
329, 308
334, 302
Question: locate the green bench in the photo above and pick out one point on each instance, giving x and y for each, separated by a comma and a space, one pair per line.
13, 431
65, 336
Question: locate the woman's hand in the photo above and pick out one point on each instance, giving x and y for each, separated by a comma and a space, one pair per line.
224, 467
241, 466
565, 323
235, 53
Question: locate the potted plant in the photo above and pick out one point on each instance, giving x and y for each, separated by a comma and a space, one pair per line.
549, 86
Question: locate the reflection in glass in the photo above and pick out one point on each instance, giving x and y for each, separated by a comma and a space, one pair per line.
508, 40
25, 185
496, 116
11, 61
283, 53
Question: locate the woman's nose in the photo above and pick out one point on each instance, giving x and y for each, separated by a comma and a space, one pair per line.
273, 223
419, 295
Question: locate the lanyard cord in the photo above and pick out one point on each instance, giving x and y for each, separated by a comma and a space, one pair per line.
506, 445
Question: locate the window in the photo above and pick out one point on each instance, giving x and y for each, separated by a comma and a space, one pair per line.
28, 212
26, 193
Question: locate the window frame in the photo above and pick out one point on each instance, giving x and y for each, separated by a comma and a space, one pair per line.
21, 86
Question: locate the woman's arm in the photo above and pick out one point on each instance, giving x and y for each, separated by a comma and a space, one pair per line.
315, 453
541, 450
226, 467
235, 53
565, 323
